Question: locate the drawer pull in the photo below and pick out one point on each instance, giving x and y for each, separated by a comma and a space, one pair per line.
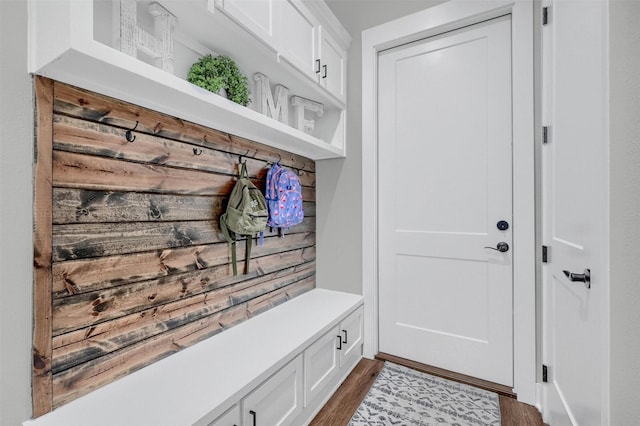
339, 342
317, 66
324, 74
255, 417
344, 332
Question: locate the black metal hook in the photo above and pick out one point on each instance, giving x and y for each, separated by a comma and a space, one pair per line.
130, 136
246, 154
197, 151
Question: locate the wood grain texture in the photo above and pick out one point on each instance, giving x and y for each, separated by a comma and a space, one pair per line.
132, 265
77, 381
42, 346
346, 400
93, 341
94, 107
85, 275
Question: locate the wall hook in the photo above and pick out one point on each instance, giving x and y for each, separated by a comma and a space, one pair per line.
130, 136
246, 154
197, 151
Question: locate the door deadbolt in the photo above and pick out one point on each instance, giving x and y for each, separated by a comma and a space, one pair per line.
503, 225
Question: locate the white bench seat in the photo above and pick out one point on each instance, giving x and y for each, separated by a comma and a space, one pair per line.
199, 383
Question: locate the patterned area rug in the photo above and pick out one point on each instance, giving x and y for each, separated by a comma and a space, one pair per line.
402, 396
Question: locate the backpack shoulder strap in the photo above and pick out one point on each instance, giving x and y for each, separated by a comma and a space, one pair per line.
231, 240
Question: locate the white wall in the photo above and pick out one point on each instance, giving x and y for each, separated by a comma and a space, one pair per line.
624, 155
339, 182
16, 192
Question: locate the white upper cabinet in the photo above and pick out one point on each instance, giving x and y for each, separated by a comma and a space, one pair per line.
80, 43
298, 37
333, 66
255, 16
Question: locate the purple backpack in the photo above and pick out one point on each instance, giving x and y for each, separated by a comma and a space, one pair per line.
284, 198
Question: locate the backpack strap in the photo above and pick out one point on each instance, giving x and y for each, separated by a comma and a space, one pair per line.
247, 257
230, 240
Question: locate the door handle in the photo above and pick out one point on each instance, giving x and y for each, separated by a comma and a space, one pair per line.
502, 247
580, 278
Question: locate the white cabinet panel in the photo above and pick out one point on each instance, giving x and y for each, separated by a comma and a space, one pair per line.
278, 400
322, 364
334, 66
332, 356
256, 16
230, 418
351, 334
298, 37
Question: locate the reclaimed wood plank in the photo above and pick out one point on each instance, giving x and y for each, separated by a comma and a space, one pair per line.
85, 275
84, 345
85, 206
86, 137
72, 170
126, 329
106, 239
42, 390
77, 381
86, 309
83, 104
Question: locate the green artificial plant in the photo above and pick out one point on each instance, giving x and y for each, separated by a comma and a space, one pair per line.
219, 73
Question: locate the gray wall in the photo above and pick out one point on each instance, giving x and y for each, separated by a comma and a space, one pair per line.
339, 182
16, 192
624, 225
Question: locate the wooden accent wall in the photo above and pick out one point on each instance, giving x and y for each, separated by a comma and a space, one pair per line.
130, 262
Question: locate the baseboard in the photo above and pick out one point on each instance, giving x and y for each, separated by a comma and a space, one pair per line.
456, 377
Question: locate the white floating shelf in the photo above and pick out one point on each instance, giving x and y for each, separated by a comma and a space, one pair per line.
62, 47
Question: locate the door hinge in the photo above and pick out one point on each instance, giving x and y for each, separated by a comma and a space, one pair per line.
545, 374
545, 134
545, 15
545, 254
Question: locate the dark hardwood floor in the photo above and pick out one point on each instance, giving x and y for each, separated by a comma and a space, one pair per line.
344, 402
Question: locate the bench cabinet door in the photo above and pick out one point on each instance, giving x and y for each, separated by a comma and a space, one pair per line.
278, 400
321, 365
351, 334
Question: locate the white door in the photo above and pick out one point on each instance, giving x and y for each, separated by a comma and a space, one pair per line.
574, 206
445, 181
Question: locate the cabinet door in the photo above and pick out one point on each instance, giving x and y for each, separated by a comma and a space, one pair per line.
351, 333
256, 16
230, 418
321, 364
278, 400
298, 33
334, 66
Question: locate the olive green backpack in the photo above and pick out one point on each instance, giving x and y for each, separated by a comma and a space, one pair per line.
246, 215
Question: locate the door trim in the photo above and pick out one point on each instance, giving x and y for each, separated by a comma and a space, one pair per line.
436, 20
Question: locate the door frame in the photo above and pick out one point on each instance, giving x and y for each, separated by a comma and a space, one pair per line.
436, 20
